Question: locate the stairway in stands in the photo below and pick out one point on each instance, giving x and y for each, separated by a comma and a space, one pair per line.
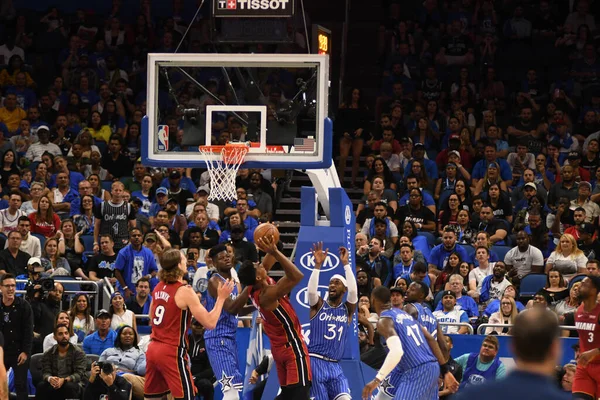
287, 216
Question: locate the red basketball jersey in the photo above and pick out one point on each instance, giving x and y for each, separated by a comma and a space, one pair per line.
588, 329
169, 322
281, 325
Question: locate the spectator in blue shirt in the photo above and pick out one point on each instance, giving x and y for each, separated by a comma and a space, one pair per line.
465, 303
419, 155
103, 338
413, 182
377, 264
133, 262
438, 257
490, 157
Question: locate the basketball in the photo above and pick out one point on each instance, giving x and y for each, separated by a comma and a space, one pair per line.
266, 229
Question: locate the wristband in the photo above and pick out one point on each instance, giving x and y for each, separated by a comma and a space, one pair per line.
125, 288
379, 377
444, 368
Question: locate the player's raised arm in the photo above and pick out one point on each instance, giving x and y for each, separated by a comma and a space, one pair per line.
292, 276
314, 300
385, 327
352, 297
207, 319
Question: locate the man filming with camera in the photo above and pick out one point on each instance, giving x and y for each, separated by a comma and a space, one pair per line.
104, 383
63, 367
45, 297
17, 328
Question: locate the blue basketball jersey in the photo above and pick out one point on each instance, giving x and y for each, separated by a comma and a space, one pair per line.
227, 323
416, 349
427, 319
328, 331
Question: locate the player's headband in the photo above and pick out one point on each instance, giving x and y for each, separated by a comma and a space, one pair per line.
341, 278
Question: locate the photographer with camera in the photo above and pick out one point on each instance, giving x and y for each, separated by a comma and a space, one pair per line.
105, 384
45, 297
17, 328
63, 367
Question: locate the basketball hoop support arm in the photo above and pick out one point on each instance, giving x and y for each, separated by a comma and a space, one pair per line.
322, 180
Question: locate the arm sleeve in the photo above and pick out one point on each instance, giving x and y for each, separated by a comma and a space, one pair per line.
393, 357
352, 297
313, 286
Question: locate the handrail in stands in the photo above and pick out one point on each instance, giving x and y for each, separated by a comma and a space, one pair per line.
63, 282
469, 326
482, 326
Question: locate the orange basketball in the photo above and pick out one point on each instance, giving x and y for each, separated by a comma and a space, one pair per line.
266, 229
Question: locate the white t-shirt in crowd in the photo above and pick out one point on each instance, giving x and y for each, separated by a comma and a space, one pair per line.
522, 261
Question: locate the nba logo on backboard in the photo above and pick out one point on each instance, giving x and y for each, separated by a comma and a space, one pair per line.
163, 138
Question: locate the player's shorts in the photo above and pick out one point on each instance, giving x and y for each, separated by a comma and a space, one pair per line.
587, 380
293, 365
167, 371
417, 383
222, 354
328, 380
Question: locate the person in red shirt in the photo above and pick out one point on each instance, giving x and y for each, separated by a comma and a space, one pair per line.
388, 136
280, 322
173, 304
586, 384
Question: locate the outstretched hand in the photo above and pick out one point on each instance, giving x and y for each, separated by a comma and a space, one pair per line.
225, 289
450, 382
343, 251
319, 255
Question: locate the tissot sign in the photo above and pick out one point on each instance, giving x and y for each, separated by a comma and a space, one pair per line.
253, 8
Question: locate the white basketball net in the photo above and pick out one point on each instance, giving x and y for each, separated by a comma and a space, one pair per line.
223, 170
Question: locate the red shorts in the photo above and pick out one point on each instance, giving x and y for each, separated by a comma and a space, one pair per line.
587, 380
293, 365
167, 371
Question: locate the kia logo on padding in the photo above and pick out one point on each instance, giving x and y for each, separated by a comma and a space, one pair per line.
348, 215
331, 262
302, 296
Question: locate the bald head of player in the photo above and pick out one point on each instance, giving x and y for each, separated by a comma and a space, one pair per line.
381, 298
536, 341
220, 258
173, 266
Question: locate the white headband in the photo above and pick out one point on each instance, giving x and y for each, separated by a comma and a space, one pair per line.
341, 278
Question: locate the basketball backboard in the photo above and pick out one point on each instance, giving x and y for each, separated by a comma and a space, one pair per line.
276, 102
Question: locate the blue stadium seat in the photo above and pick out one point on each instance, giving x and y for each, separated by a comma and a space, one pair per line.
144, 329
470, 251
88, 242
576, 278
106, 185
438, 298
501, 251
42, 239
530, 284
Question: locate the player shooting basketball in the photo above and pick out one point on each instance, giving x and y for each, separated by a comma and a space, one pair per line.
280, 321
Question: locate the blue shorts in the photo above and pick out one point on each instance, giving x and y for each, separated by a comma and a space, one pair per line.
328, 380
416, 383
222, 354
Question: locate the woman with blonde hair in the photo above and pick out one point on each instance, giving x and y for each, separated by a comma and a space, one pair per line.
492, 175
506, 316
570, 303
567, 258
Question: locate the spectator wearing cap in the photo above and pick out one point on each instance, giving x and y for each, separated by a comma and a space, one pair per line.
103, 338
114, 161
36, 150
580, 173
397, 297
419, 155
592, 210
567, 187
160, 202
567, 142
201, 197
520, 160
454, 145
405, 155
465, 303
176, 221
12, 259
449, 314
525, 192
490, 156
176, 191
244, 250
588, 242
185, 182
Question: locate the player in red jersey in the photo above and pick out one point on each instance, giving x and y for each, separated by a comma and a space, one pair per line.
280, 321
586, 384
173, 304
